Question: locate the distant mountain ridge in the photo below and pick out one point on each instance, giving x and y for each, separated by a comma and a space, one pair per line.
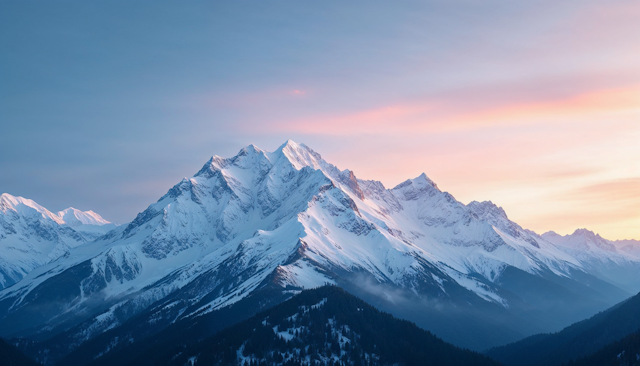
579, 340
31, 235
287, 220
74, 217
614, 261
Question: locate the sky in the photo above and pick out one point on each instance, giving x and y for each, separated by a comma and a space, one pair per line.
534, 105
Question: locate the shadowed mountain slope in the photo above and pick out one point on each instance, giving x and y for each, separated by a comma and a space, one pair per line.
578, 340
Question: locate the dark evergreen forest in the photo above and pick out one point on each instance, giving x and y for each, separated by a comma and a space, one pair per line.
324, 326
12, 356
625, 352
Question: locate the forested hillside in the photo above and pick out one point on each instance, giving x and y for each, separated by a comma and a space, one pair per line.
325, 326
578, 340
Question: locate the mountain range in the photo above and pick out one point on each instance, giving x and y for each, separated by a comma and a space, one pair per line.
32, 236
248, 232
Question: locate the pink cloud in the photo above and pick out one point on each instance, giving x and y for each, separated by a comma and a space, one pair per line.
522, 155
440, 116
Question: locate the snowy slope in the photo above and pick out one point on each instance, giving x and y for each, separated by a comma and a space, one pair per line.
290, 219
31, 235
584, 245
629, 246
75, 218
615, 261
88, 223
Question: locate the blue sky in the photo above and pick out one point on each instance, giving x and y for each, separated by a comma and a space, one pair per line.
106, 105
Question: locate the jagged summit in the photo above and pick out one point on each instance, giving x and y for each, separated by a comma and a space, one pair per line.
586, 233
420, 181
300, 155
31, 235
585, 241
74, 217
425, 178
487, 208
582, 233
23, 205
296, 155
577, 233
70, 216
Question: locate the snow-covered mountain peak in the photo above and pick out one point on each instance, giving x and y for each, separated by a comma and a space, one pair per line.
291, 145
420, 182
215, 163
586, 233
496, 216
250, 150
251, 147
487, 208
411, 189
31, 235
251, 156
300, 155
593, 238
25, 206
582, 239
423, 178
74, 217
70, 216
594, 251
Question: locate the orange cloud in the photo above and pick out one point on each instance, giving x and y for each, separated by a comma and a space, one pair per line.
625, 191
592, 103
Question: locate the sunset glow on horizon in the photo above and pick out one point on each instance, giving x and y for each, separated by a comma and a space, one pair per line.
532, 105
549, 164
553, 164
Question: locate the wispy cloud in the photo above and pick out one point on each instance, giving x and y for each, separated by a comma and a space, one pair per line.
611, 208
437, 116
533, 157
624, 191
